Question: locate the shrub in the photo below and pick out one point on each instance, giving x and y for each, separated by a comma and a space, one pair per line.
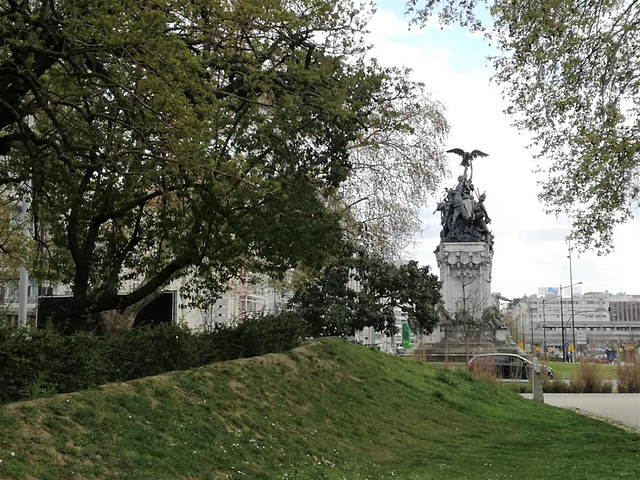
36, 363
629, 377
39, 388
556, 385
485, 368
149, 350
270, 333
588, 378
82, 362
24, 355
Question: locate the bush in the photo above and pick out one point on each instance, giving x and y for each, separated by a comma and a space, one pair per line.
270, 333
25, 356
629, 377
149, 350
81, 362
589, 380
556, 385
35, 363
485, 368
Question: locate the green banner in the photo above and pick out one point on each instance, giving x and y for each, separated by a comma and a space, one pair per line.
406, 337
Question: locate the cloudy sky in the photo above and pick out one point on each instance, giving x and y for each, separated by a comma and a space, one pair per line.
530, 248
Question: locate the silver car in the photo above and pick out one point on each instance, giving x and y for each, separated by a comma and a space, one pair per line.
508, 366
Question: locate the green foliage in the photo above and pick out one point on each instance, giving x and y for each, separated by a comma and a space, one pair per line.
357, 291
266, 334
35, 363
167, 139
24, 355
149, 350
39, 388
463, 12
570, 70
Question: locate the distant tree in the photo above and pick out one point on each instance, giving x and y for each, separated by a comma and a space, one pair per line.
394, 172
358, 291
468, 314
571, 71
186, 139
511, 326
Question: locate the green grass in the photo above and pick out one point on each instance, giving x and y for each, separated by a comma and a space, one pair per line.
327, 410
561, 369
568, 370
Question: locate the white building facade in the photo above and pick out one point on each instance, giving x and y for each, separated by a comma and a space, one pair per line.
587, 324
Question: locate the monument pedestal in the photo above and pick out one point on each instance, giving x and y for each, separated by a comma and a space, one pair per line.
465, 273
470, 317
471, 320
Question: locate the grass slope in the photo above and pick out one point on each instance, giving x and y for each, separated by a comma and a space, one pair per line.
327, 410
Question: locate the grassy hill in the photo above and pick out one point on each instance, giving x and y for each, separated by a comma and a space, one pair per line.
327, 410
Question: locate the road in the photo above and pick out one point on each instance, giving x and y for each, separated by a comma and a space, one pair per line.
620, 407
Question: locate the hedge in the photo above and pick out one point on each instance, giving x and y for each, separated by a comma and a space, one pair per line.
42, 362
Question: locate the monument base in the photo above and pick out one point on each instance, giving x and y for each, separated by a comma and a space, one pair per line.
462, 337
458, 351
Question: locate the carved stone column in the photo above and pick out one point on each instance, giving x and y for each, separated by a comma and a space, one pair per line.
465, 272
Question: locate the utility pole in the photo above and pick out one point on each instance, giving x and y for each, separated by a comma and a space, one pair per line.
564, 356
573, 318
531, 328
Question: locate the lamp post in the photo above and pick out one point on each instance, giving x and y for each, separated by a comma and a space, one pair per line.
573, 318
531, 328
564, 355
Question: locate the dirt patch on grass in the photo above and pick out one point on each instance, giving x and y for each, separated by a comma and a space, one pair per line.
237, 387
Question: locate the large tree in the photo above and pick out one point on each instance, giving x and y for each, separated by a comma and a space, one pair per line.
393, 173
571, 71
357, 290
184, 138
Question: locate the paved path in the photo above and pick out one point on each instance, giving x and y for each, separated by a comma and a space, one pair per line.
621, 407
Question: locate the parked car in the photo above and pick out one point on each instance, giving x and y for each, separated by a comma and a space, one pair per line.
508, 366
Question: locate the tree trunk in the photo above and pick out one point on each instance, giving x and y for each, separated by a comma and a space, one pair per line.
112, 321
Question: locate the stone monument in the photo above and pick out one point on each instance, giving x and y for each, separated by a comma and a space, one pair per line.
470, 316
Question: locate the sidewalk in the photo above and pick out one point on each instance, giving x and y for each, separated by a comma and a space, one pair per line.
619, 407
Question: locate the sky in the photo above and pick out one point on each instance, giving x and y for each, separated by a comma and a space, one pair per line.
530, 247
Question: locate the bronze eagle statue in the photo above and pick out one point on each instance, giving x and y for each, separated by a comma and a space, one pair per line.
467, 158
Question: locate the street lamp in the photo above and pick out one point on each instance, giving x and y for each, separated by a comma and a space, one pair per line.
564, 354
573, 318
531, 328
